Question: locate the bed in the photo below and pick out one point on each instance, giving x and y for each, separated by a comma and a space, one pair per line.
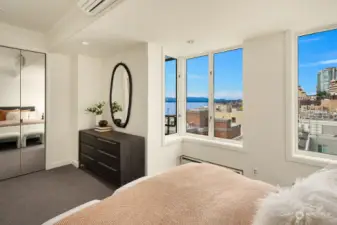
19, 130
64, 215
179, 196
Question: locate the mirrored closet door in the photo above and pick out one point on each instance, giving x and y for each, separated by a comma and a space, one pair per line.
22, 112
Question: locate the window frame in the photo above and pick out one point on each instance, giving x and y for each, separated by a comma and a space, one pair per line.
210, 138
172, 138
167, 60
293, 154
184, 111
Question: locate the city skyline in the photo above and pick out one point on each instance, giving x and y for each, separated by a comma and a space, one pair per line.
316, 52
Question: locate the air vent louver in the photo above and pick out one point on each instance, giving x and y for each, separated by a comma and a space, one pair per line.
95, 7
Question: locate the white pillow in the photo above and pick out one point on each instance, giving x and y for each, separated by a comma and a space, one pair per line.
32, 115
25, 115
310, 201
15, 115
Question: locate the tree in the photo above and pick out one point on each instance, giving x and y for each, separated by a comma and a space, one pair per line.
322, 95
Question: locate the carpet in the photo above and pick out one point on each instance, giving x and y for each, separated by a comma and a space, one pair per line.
35, 198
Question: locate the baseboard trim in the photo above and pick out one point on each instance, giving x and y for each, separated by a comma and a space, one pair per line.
75, 163
58, 164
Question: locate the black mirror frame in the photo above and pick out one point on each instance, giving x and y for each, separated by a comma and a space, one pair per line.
119, 124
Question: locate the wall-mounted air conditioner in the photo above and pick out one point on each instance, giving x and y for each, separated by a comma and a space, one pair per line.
95, 7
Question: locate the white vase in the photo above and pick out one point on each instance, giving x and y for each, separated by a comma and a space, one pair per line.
98, 118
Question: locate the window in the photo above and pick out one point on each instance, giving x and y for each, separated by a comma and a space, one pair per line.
197, 95
228, 113
317, 92
214, 104
170, 95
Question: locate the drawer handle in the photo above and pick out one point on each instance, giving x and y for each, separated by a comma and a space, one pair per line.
110, 142
107, 154
86, 156
108, 167
89, 146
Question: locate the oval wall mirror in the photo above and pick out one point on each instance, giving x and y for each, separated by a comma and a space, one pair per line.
120, 95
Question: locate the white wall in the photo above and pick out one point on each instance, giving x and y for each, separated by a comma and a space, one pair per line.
89, 89
79, 86
74, 110
60, 111
86, 79
145, 63
136, 59
159, 158
264, 116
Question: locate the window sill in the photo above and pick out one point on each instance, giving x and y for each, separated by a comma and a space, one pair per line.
313, 159
171, 139
214, 143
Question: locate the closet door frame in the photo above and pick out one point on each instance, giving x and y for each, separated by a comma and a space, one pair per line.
45, 101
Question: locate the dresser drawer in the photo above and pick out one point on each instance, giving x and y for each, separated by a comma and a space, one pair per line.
88, 150
87, 162
101, 153
108, 159
108, 173
88, 139
110, 147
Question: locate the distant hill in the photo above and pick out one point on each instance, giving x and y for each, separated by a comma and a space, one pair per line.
203, 99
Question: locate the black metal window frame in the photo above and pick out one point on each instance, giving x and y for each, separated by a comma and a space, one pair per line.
168, 117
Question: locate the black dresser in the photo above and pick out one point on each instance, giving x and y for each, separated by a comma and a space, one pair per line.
117, 157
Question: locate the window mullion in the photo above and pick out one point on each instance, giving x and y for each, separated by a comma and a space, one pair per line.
182, 95
210, 96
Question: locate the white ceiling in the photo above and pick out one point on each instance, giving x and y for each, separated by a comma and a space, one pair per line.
37, 15
212, 24
103, 45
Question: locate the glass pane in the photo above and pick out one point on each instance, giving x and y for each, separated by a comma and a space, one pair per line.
197, 95
10, 140
32, 111
170, 96
228, 105
317, 92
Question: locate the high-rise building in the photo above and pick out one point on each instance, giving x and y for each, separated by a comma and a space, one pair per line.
333, 88
324, 77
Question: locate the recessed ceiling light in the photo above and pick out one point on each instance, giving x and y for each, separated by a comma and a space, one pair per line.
190, 41
85, 43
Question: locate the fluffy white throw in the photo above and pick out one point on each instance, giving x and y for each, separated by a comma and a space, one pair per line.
310, 201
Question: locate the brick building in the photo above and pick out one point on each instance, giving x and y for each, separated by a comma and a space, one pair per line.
197, 123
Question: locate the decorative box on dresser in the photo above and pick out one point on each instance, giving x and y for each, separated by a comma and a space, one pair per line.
117, 157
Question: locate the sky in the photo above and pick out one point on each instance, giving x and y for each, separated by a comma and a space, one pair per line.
315, 52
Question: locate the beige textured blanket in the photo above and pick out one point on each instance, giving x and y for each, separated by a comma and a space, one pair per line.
192, 194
